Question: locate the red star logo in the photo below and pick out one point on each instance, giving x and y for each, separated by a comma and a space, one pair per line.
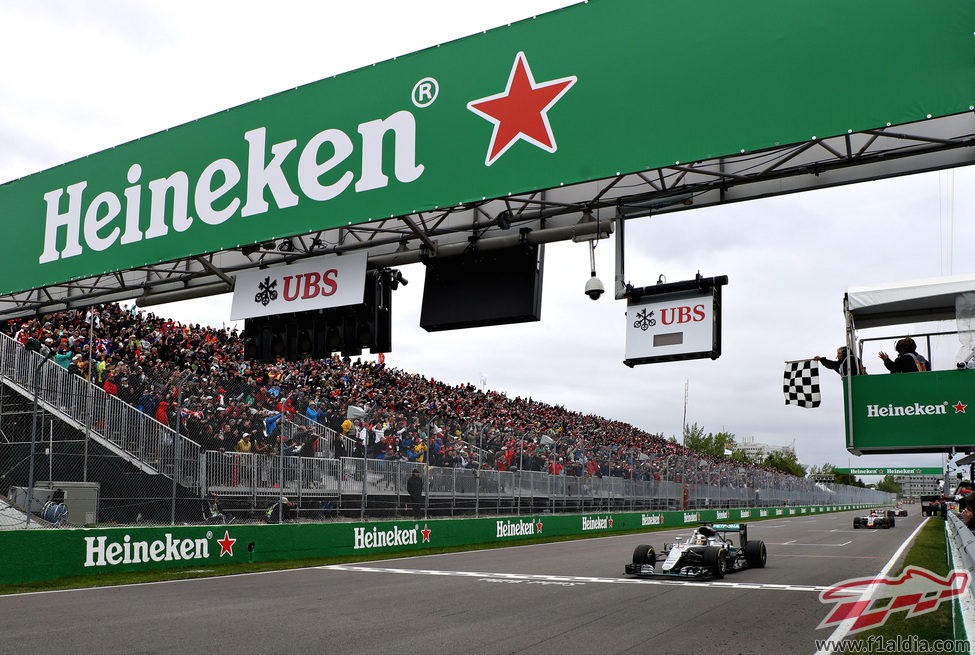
521, 110
539, 526
610, 521
960, 407
426, 533
226, 544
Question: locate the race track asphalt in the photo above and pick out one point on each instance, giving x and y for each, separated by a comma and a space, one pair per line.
565, 597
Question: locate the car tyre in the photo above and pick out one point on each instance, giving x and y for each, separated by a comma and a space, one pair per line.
756, 554
715, 559
644, 554
891, 522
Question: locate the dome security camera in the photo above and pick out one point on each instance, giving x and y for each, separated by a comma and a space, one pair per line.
594, 288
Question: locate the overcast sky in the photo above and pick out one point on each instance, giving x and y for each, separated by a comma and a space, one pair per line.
79, 77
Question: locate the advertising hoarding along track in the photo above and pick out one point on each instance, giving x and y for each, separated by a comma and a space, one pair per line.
892, 470
33, 555
512, 110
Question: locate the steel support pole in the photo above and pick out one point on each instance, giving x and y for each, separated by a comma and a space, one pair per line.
33, 435
88, 389
177, 444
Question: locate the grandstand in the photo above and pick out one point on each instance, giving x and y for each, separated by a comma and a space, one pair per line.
176, 413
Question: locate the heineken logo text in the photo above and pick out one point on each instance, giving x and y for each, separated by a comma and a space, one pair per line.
651, 519
515, 529
917, 409
101, 218
100, 552
596, 523
377, 538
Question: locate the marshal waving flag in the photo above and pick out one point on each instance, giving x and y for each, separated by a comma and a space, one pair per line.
800, 383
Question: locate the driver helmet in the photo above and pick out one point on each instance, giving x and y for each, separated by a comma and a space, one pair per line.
700, 539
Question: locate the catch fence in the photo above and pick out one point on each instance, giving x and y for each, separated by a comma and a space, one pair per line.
65, 439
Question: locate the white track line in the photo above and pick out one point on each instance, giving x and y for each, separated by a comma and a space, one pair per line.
793, 543
843, 628
571, 579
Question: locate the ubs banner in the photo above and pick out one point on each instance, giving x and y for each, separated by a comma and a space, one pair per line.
675, 321
912, 412
319, 283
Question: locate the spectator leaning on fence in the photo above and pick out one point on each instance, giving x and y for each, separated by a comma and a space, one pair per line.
968, 511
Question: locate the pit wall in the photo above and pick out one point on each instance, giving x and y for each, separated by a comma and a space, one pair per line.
33, 555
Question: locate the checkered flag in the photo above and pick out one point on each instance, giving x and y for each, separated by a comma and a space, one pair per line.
800, 383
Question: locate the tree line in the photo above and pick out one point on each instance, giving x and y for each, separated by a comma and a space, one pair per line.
723, 445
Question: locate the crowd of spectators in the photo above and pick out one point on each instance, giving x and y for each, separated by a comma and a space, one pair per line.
232, 403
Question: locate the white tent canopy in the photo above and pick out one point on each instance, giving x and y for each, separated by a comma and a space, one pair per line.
898, 303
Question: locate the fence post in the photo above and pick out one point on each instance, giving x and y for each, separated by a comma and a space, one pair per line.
33, 435
176, 443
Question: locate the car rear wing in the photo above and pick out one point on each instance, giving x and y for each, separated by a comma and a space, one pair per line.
740, 528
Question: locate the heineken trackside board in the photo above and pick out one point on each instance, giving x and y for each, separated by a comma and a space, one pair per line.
911, 412
582, 93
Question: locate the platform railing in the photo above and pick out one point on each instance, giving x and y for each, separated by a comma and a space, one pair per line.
120, 427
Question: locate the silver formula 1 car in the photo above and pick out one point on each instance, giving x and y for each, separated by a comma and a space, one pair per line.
711, 551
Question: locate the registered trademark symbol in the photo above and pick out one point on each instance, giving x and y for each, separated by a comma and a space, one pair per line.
425, 92
209, 535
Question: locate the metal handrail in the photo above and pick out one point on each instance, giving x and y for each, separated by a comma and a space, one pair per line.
964, 540
120, 427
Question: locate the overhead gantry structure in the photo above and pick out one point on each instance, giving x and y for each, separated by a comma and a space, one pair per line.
609, 155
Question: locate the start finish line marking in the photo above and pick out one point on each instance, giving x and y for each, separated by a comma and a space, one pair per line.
572, 580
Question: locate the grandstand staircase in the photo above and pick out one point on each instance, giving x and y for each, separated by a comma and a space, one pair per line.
118, 427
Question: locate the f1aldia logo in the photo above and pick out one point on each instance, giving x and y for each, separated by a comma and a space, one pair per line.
868, 602
521, 110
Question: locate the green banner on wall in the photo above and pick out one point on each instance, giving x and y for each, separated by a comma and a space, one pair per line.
511, 110
892, 470
912, 412
31, 555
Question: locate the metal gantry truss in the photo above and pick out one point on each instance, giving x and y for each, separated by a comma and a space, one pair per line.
581, 211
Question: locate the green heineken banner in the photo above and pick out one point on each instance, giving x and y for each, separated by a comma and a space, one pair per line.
912, 412
900, 470
522, 107
31, 555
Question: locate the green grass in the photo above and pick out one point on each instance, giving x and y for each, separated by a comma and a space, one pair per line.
929, 551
